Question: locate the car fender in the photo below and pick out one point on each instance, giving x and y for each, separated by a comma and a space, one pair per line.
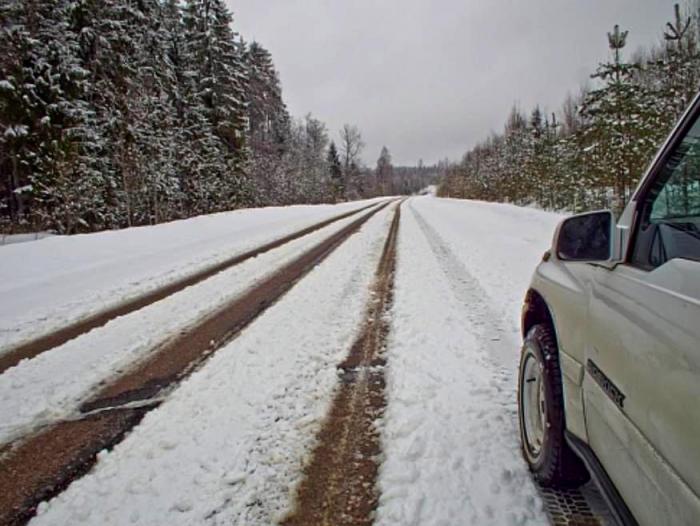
558, 295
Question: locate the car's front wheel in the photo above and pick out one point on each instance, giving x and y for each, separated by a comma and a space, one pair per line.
541, 413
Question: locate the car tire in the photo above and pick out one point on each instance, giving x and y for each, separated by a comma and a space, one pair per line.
541, 413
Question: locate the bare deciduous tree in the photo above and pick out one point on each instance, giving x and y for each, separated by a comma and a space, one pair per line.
351, 145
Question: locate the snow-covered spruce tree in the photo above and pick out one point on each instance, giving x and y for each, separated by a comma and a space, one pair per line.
335, 173
190, 125
48, 136
220, 77
571, 170
385, 173
15, 115
154, 117
111, 42
561, 189
313, 182
534, 166
200, 157
268, 122
515, 185
622, 130
268, 118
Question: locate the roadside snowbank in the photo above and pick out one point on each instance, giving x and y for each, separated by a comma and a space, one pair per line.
11, 239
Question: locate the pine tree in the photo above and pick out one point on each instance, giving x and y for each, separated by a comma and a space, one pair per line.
268, 122
385, 172
48, 136
621, 130
677, 69
335, 171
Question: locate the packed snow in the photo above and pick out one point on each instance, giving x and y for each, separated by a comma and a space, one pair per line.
450, 431
228, 445
49, 387
50, 282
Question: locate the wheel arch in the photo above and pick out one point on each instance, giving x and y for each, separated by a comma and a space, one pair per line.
535, 311
568, 469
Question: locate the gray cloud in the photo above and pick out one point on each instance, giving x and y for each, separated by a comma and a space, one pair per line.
431, 78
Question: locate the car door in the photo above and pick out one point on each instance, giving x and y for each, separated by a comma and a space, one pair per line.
642, 381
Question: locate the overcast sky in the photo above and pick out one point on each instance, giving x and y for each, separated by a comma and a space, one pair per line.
430, 78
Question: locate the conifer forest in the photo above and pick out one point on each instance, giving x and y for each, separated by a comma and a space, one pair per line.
592, 152
349, 262
120, 113
117, 113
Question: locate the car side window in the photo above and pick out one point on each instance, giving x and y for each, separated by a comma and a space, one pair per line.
669, 225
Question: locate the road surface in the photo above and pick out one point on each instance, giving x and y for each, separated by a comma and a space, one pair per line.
350, 364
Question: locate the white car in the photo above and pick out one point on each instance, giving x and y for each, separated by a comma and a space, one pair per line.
609, 383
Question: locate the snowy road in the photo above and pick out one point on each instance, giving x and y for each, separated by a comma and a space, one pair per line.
61, 279
230, 444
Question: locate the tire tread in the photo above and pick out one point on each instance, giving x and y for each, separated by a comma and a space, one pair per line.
560, 467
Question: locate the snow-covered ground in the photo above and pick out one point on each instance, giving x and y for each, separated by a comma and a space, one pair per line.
52, 385
49, 282
10, 239
227, 446
230, 443
450, 431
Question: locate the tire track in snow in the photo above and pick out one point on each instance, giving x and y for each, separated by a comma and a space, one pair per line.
339, 487
32, 348
449, 431
26, 478
562, 506
484, 320
228, 444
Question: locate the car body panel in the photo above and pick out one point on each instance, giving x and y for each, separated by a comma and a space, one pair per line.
644, 337
629, 343
649, 486
559, 286
641, 473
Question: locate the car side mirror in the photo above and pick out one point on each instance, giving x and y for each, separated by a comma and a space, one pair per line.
586, 237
